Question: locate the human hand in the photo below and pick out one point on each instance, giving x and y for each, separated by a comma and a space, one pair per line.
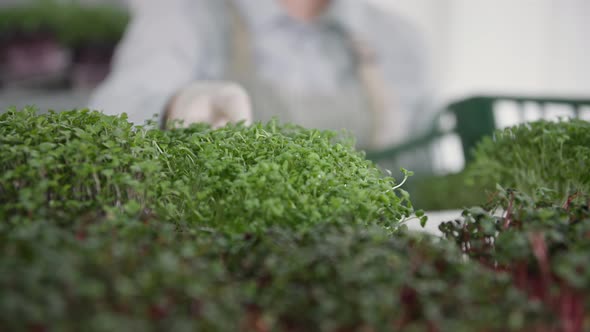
215, 103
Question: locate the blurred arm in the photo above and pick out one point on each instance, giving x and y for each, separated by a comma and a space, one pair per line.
161, 52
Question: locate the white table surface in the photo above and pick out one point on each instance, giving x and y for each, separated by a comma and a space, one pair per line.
435, 218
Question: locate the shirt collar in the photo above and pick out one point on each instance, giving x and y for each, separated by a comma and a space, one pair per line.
269, 13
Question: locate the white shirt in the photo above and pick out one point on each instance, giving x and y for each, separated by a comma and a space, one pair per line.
172, 43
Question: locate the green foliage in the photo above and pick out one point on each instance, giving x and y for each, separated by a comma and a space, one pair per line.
72, 23
72, 162
34, 17
236, 178
96, 24
108, 226
262, 173
448, 192
534, 155
545, 247
106, 274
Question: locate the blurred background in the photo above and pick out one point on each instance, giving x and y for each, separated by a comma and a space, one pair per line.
534, 47
514, 61
54, 53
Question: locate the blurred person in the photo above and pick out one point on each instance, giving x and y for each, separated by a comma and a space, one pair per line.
327, 64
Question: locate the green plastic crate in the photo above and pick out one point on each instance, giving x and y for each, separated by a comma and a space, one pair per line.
471, 119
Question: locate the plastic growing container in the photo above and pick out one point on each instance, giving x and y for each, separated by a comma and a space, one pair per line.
463, 123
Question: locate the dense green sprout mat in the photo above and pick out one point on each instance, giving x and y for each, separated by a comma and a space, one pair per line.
236, 179
105, 226
554, 155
